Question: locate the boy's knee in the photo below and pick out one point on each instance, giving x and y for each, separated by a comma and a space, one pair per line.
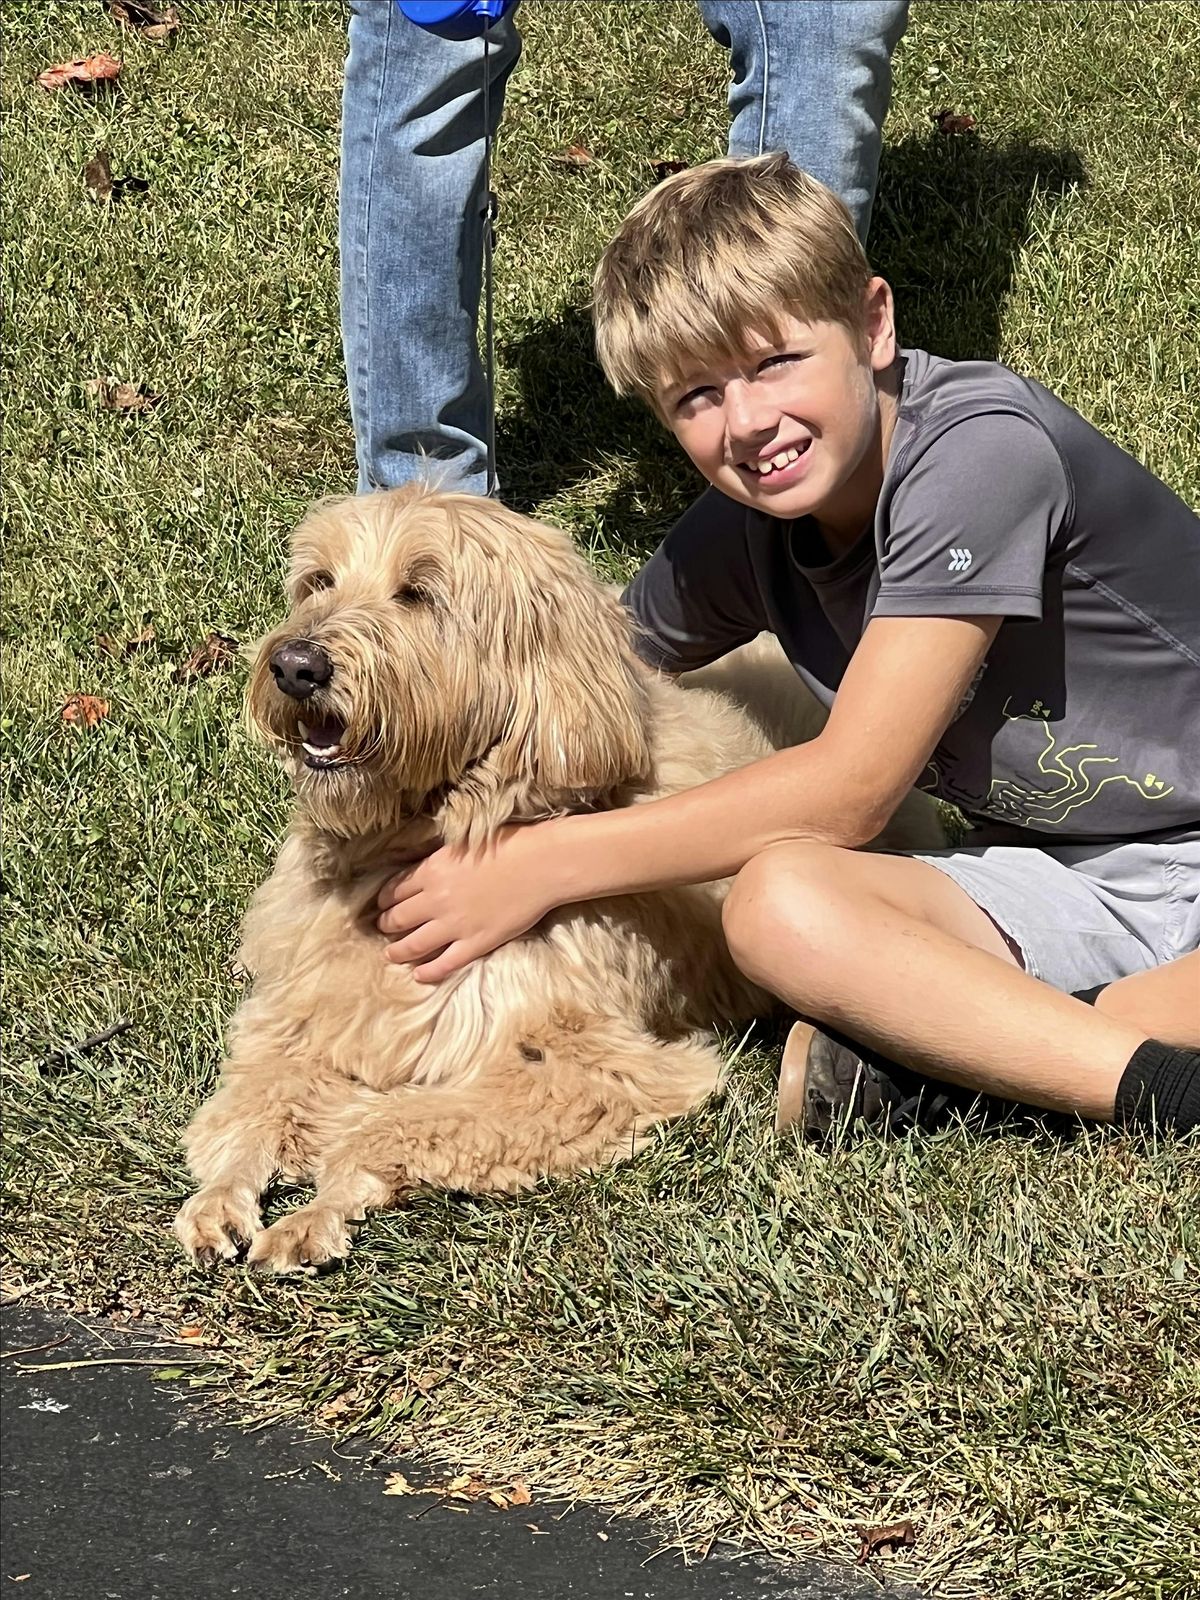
786, 892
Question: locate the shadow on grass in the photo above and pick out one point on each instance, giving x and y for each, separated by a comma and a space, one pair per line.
951, 218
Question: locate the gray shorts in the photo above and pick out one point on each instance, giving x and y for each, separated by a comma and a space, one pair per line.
1084, 914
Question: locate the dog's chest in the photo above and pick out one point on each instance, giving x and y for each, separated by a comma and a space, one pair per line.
345, 1008
326, 991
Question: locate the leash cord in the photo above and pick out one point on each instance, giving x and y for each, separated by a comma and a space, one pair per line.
490, 209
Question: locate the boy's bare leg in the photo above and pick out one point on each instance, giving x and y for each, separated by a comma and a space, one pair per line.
893, 953
1165, 1001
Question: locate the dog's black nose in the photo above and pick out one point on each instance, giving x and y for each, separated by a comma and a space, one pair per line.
300, 667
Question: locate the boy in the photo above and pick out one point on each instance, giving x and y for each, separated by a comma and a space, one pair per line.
1008, 609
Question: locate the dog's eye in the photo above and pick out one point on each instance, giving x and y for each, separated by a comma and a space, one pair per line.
316, 580
412, 594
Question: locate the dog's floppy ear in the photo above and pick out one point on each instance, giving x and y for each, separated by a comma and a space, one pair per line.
578, 701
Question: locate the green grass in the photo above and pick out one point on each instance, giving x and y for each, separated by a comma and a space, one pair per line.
999, 1337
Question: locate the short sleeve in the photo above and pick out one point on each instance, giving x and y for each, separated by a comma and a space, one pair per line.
968, 528
697, 597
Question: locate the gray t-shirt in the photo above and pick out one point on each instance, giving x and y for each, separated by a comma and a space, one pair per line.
998, 499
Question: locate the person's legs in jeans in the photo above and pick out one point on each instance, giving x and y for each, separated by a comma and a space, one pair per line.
411, 239
812, 77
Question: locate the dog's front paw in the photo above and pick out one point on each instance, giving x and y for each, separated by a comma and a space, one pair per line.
217, 1225
312, 1237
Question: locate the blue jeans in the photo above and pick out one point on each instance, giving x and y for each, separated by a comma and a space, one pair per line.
812, 77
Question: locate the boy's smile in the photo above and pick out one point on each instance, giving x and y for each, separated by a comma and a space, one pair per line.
799, 427
780, 468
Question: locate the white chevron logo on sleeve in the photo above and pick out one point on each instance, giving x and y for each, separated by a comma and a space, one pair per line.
959, 561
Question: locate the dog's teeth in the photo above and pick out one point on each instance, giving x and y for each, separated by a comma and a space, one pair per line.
328, 752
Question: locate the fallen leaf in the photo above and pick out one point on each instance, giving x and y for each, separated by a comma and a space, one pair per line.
426, 1382
20, 1577
83, 73
98, 177
893, 1536
191, 1335
216, 652
84, 709
169, 1374
575, 155
103, 187
340, 1406
113, 396
466, 1489
144, 19
108, 644
952, 122
667, 169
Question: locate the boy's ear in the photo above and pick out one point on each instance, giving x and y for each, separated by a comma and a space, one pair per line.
880, 324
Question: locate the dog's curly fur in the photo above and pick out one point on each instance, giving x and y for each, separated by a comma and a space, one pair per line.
481, 676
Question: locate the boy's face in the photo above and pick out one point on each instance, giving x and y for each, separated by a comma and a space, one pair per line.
807, 410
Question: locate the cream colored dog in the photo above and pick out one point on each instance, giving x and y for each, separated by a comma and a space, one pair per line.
449, 667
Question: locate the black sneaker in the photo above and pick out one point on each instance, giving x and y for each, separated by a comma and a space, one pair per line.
824, 1083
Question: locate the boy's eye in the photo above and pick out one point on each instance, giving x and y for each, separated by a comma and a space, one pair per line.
693, 395
784, 359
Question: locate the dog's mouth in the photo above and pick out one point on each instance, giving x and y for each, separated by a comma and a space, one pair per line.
321, 741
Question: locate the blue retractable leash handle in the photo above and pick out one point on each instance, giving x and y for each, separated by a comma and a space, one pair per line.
456, 19
471, 19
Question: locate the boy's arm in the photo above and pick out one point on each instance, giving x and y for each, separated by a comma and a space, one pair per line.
901, 690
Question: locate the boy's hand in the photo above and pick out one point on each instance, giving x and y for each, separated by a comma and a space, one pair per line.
457, 905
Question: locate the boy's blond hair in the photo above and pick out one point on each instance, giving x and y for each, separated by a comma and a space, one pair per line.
717, 252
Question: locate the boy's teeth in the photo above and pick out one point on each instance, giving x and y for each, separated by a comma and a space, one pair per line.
783, 459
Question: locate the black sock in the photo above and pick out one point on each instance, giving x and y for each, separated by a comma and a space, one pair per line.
1160, 1088
1090, 996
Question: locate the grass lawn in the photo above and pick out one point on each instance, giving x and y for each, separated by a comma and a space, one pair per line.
997, 1337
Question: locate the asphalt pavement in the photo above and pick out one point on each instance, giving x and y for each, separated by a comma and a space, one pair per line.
116, 1487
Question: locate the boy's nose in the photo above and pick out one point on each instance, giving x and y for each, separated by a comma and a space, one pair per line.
751, 415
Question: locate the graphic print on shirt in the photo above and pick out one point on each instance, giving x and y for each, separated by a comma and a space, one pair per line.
1081, 774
